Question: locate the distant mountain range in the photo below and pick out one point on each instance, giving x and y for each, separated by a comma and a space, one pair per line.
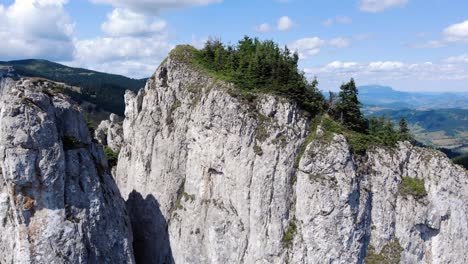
386, 97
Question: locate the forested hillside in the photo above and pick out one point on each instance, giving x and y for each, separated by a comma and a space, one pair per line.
444, 128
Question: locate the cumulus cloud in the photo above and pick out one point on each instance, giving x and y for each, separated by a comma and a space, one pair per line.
457, 32
453, 33
284, 23
122, 22
133, 44
375, 6
263, 28
383, 71
106, 49
134, 39
339, 42
307, 46
458, 59
154, 6
337, 20
137, 57
35, 29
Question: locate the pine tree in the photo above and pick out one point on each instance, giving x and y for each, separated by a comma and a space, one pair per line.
405, 133
347, 108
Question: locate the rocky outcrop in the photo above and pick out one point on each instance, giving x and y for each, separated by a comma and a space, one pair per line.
58, 203
350, 208
222, 187
213, 176
109, 133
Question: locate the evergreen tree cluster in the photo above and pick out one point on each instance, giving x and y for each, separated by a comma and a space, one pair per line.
345, 108
262, 66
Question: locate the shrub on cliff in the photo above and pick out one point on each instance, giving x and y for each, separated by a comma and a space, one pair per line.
112, 156
412, 186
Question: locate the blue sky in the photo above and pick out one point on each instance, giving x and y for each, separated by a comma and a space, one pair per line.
416, 45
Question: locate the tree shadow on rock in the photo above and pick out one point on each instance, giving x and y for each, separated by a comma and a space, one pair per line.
151, 243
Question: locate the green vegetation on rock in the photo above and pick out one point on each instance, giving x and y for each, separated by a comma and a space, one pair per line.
290, 233
412, 186
112, 156
380, 132
390, 254
462, 160
255, 67
70, 143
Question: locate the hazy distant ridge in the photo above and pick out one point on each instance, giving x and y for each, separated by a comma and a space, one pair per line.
384, 96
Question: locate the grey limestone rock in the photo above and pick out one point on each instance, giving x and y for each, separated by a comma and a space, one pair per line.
58, 202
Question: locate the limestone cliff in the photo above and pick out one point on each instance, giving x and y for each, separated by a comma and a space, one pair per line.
58, 202
212, 176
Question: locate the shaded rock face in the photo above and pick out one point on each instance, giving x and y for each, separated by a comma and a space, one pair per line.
58, 203
214, 178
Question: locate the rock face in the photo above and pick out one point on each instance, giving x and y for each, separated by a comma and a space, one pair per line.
212, 177
110, 133
58, 203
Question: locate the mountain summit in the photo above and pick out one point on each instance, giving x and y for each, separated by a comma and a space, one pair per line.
214, 178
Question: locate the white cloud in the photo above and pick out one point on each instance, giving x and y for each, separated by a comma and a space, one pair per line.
131, 53
340, 42
457, 32
154, 6
133, 44
134, 40
35, 29
432, 44
375, 6
385, 65
337, 20
453, 33
263, 28
307, 46
123, 22
384, 71
458, 59
285, 23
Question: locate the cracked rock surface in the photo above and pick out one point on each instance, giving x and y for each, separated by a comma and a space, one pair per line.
58, 202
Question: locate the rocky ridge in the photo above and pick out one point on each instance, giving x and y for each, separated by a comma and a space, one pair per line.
229, 179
